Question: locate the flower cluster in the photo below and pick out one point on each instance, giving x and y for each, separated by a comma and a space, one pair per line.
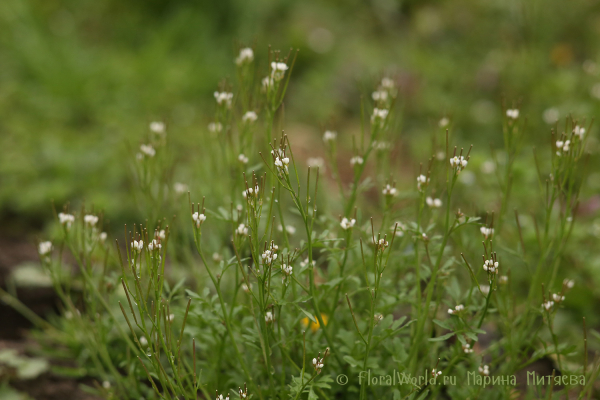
456, 309
486, 232
347, 223
146, 150
389, 190
512, 113
220, 397
154, 245
158, 127
268, 317
379, 116
329, 136
422, 181
579, 131
66, 219
137, 245
458, 163
319, 362
356, 160
287, 271
198, 218
433, 203
270, 254
467, 348
246, 56
242, 230
243, 159
251, 192
491, 266
215, 127
435, 373
485, 369
90, 220
243, 393
278, 70
382, 244
44, 248
282, 164
223, 98
249, 117
562, 147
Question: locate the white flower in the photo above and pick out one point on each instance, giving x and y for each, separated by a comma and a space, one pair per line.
66, 219
558, 298
356, 160
278, 70
243, 159
102, 237
90, 220
485, 289
388, 190
147, 150
217, 257
382, 243
223, 98
318, 364
380, 145
287, 270
380, 95
44, 248
329, 136
504, 279
157, 127
282, 164
268, 317
443, 122
180, 188
491, 266
484, 370
422, 180
467, 348
154, 245
579, 131
288, 228
379, 115
143, 341
160, 234
435, 372
251, 191
246, 55
347, 223
387, 83
215, 127
137, 245
267, 83
486, 232
242, 230
569, 283
456, 309
548, 305
106, 385
512, 113
433, 203
305, 263
171, 317
198, 218
458, 163
563, 146
249, 117
245, 288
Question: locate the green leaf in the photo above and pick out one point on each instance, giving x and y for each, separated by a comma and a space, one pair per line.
351, 360
441, 338
309, 315
442, 324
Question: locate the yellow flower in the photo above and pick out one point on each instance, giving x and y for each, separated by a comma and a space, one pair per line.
314, 326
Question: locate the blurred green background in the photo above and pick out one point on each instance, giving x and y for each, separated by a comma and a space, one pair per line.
81, 79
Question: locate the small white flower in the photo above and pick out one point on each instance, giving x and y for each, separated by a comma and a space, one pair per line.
242, 230
316, 162
433, 203
512, 113
382, 243
198, 218
569, 283
456, 309
223, 98
90, 220
249, 117
246, 56
443, 122
485, 289
467, 348
551, 115
267, 83
562, 146
558, 298
388, 190
579, 131
147, 150
66, 219
162, 235
329, 136
245, 288
288, 228
215, 127
387, 83
44, 248
137, 245
422, 180
486, 232
318, 364
106, 385
435, 372
157, 127
180, 188
143, 341
491, 266
380, 95
504, 279
356, 160
287, 270
548, 305
154, 245
379, 115
243, 159
102, 237
278, 70
484, 370
268, 317
347, 223
305, 263
458, 163
171, 317
282, 164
